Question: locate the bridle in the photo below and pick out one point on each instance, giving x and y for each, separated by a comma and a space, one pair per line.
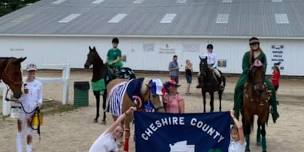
8, 80
253, 80
140, 104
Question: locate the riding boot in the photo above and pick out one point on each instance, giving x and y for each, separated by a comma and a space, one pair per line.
264, 144
273, 101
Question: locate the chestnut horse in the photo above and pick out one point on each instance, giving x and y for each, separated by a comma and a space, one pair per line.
10, 74
144, 91
255, 102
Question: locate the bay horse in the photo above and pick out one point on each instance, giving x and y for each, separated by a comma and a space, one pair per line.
143, 90
209, 83
255, 102
101, 71
10, 74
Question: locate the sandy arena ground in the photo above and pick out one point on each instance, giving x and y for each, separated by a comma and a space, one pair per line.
75, 131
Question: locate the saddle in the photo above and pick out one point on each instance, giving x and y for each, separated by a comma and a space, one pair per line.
122, 73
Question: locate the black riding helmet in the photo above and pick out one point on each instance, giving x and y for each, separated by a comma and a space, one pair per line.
115, 40
209, 46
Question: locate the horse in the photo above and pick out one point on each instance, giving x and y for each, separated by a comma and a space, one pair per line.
144, 92
102, 72
210, 83
10, 74
255, 102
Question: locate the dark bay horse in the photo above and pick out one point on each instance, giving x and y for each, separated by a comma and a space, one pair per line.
255, 102
145, 94
10, 74
102, 71
209, 83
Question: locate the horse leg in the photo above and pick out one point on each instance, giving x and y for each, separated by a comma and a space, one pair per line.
97, 96
220, 93
247, 130
263, 132
211, 101
104, 105
204, 99
258, 134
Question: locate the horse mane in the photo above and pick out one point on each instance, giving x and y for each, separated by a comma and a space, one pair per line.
98, 56
6, 58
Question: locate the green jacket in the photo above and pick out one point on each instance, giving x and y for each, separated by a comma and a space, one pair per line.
246, 61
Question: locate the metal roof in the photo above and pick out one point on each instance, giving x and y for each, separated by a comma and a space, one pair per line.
194, 18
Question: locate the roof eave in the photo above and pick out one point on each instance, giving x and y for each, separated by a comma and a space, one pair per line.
148, 36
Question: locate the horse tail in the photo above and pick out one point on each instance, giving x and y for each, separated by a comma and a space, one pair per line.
224, 80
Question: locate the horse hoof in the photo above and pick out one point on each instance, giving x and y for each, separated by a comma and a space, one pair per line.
264, 151
247, 150
95, 120
104, 122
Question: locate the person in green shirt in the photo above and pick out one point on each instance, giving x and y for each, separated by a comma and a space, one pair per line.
114, 55
249, 57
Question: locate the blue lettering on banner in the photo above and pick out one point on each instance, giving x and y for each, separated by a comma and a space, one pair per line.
165, 132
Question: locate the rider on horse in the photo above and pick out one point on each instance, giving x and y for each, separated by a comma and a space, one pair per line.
114, 55
212, 63
249, 58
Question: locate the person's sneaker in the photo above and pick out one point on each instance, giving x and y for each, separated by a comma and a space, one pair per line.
198, 86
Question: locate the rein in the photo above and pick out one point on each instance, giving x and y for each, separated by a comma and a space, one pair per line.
35, 111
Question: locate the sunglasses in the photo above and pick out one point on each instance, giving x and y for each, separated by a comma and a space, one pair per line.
255, 43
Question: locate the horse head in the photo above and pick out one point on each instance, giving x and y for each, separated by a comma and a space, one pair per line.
12, 76
92, 58
151, 93
203, 66
257, 76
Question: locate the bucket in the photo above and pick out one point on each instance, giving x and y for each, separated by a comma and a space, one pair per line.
16, 110
36, 120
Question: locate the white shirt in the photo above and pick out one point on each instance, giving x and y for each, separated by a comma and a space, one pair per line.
34, 96
211, 59
104, 143
236, 146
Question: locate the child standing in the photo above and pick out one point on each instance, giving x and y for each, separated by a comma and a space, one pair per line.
174, 102
237, 143
188, 70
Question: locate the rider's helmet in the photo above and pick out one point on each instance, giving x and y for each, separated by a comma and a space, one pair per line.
209, 46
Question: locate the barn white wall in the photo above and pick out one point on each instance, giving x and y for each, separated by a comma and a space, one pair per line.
73, 50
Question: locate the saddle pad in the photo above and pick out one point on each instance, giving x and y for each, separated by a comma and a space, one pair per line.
115, 99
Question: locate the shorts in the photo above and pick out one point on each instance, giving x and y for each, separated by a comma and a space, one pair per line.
189, 79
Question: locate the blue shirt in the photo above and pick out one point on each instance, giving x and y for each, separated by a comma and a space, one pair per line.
173, 64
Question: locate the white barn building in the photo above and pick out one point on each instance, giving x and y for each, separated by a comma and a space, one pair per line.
152, 31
